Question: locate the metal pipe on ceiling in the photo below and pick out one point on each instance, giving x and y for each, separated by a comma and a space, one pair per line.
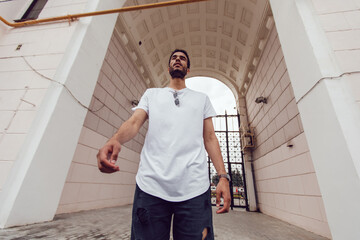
73, 17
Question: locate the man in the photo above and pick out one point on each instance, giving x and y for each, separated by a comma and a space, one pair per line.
172, 180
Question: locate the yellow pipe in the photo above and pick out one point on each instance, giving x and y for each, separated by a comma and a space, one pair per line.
72, 17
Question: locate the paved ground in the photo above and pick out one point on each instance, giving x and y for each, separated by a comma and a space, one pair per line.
114, 223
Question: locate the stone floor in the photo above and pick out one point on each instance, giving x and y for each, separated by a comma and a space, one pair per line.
114, 223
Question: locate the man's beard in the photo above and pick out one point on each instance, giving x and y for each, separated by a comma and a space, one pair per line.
177, 73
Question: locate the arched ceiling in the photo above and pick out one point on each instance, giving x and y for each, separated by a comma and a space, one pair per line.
221, 36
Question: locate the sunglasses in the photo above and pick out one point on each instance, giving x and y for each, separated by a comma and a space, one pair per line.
176, 97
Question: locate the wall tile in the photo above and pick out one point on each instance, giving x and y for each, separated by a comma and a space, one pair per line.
348, 60
32, 99
111, 104
292, 204
292, 129
105, 129
91, 121
311, 186
310, 207
334, 22
10, 99
282, 186
295, 185
333, 6
108, 86
70, 193
82, 154
279, 138
100, 92
5, 119
353, 18
10, 145
344, 40
282, 119
285, 81
285, 98
22, 122
88, 192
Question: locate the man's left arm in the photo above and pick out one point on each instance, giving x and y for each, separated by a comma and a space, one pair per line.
212, 147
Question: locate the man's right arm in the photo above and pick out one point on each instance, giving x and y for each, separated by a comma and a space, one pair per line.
108, 154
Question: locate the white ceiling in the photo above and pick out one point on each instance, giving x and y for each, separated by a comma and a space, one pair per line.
221, 37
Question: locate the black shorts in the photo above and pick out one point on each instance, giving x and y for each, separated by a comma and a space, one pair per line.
151, 217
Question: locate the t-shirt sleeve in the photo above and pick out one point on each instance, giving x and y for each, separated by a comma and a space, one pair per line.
209, 110
144, 102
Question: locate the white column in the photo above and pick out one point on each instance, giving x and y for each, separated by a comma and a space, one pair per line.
328, 111
35, 184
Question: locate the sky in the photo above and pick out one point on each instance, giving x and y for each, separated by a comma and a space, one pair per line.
220, 95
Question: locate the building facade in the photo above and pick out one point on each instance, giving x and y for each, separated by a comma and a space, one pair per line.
66, 86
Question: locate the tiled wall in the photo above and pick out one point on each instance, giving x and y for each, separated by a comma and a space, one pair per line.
26, 73
341, 22
286, 182
86, 187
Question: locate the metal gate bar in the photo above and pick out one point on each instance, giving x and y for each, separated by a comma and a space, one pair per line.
229, 164
230, 157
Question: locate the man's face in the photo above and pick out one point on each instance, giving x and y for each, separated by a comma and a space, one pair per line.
178, 65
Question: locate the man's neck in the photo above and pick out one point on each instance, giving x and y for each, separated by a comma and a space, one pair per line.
177, 83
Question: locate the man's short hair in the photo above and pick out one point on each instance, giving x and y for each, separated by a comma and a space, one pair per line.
184, 52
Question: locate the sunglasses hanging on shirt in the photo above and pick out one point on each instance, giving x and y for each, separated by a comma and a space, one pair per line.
176, 97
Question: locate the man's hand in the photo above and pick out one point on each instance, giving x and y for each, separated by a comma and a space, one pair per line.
108, 155
222, 190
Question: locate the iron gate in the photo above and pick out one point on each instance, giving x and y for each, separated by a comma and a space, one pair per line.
228, 134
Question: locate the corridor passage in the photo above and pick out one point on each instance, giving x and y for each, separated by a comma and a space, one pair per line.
114, 223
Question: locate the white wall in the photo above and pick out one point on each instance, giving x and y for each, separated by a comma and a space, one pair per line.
286, 182
46, 121
26, 74
86, 187
319, 51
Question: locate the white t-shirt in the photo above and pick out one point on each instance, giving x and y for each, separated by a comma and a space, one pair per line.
173, 164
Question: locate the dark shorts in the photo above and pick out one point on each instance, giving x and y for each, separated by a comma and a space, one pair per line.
151, 217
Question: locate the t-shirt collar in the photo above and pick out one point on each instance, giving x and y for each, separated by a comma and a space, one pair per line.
174, 90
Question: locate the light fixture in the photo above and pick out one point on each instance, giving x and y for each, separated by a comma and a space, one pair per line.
289, 144
261, 100
133, 56
124, 38
255, 61
269, 22
134, 103
141, 69
262, 44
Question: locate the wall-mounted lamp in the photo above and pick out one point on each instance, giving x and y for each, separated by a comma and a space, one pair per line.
134, 103
262, 44
141, 68
133, 56
269, 22
124, 38
261, 100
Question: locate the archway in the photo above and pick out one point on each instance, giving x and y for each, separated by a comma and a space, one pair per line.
220, 95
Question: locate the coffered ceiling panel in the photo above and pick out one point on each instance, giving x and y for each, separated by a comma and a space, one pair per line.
221, 37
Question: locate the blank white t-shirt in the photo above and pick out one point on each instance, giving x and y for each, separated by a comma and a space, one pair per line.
173, 164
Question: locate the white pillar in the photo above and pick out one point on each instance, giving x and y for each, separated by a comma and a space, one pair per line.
328, 111
35, 184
